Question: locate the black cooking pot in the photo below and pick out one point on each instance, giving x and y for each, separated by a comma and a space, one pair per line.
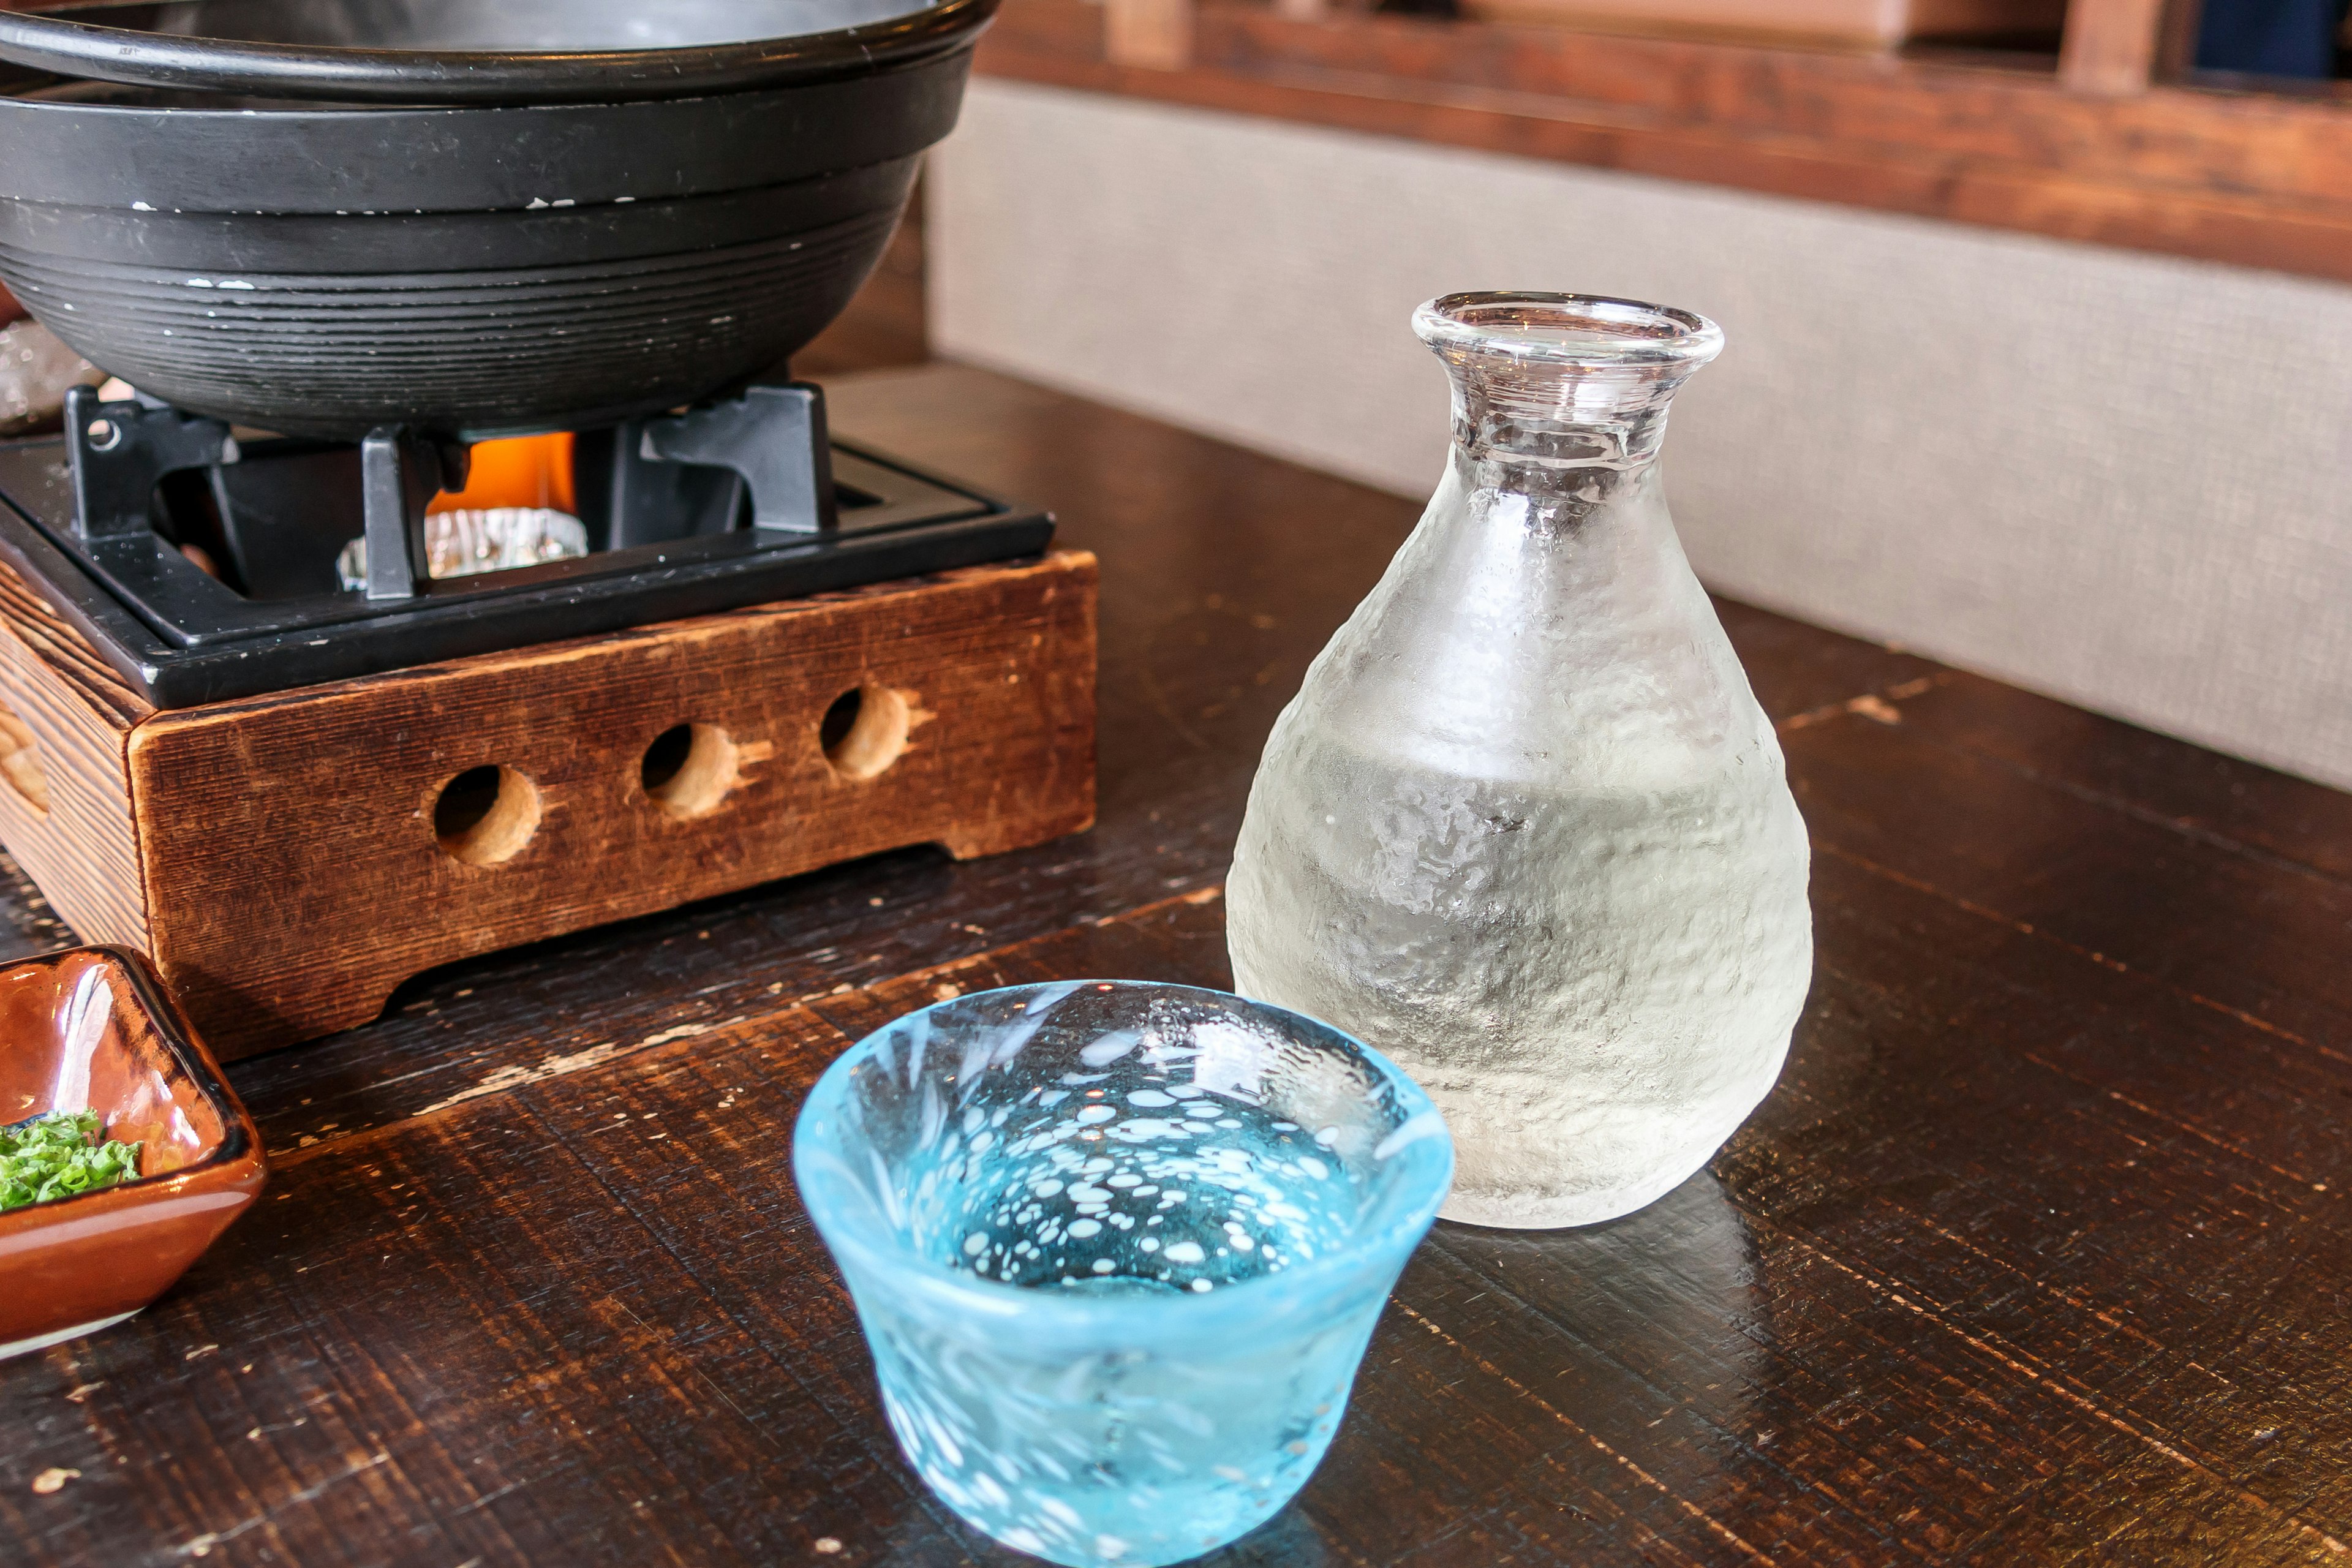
509, 259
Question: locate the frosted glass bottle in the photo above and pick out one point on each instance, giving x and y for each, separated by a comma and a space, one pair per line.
1525, 827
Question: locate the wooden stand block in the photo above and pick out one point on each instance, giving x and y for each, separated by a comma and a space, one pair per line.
286, 860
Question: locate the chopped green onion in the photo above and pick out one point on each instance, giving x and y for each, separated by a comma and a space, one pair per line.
60, 1156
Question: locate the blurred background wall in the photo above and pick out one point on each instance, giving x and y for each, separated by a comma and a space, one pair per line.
2117, 478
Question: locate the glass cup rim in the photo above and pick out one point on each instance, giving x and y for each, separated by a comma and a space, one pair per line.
1592, 331
1396, 1224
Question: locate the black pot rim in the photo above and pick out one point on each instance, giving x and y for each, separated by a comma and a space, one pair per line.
389, 160
51, 41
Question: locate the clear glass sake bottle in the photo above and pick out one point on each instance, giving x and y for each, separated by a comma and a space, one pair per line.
1525, 828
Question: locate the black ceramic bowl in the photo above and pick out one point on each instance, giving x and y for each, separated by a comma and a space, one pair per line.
473, 267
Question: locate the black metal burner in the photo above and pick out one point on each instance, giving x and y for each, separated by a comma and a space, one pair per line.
736, 502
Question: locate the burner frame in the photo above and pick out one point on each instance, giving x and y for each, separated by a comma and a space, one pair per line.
183, 638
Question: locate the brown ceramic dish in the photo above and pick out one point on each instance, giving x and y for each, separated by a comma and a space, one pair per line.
91, 1030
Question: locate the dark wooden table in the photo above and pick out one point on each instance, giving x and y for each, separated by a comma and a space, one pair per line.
2039, 1252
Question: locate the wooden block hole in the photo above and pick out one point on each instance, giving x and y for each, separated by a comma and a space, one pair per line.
865, 731
485, 815
689, 769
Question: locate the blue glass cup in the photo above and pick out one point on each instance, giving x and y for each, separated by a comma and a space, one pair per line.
1118, 1248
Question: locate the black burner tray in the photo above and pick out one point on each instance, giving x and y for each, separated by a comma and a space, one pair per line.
183, 638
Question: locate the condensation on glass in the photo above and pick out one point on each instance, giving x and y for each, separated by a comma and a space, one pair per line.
1525, 828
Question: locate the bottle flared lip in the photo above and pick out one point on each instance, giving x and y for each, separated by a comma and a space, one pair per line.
1595, 331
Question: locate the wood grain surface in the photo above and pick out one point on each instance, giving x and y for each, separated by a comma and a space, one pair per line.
292, 875
68, 816
2250, 178
2038, 1254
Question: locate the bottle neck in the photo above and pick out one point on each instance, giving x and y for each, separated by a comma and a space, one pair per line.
1572, 441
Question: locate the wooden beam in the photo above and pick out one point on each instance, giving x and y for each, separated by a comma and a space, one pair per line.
2251, 179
